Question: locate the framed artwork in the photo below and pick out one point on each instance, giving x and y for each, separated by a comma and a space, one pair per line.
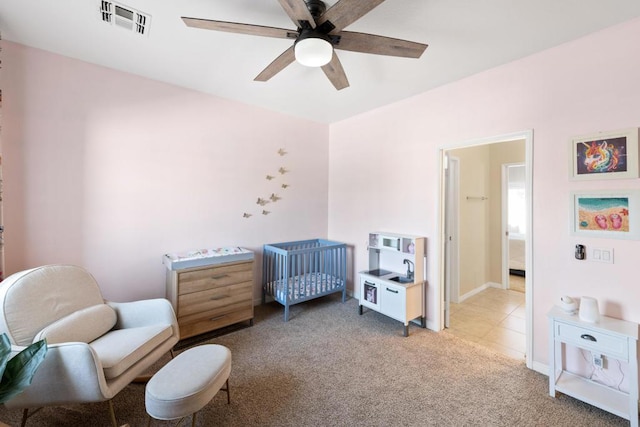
606, 155
608, 214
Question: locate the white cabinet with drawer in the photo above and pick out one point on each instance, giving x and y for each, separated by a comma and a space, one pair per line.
609, 337
394, 302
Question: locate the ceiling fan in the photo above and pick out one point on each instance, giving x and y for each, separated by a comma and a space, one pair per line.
319, 31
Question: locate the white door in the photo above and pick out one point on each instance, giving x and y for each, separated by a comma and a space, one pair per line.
514, 221
452, 268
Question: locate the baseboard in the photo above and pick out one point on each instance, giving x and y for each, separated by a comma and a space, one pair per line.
540, 368
495, 285
471, 293
258, 301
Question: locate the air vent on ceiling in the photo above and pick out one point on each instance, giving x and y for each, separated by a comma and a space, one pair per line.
125, 17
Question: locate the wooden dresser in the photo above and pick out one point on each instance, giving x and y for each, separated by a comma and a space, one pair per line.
212, 296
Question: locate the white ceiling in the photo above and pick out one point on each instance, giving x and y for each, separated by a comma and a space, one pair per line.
464, 37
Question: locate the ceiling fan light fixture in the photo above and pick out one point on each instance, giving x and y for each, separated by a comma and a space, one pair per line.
313, 49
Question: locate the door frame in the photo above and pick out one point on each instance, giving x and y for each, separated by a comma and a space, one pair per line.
439, 292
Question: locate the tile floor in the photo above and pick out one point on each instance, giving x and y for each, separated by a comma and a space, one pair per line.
495, 318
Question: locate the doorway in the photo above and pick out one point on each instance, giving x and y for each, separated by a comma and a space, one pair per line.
481, 264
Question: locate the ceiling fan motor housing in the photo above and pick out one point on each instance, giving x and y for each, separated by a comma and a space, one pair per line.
309, 33
316, 7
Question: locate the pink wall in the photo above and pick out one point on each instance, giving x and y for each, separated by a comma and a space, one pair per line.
384, 170
111, 171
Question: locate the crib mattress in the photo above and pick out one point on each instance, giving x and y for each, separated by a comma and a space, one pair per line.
306, 285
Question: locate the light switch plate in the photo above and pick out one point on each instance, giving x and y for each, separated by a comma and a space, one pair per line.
601, 255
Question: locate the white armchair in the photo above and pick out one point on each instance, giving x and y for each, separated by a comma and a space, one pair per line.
95, 347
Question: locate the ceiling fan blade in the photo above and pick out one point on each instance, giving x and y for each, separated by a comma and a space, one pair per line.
346, 12
279, 64
379, 45
298, 11
334, 71
234, 27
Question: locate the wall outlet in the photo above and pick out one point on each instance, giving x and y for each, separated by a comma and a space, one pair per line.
598, 361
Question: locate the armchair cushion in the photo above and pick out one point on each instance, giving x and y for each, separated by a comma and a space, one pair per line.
81, 326
120, 349
33, 299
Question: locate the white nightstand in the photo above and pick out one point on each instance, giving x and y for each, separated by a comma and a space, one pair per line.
614, 338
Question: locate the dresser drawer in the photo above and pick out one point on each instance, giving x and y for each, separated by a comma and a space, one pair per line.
213, 277
210, 320
215, 298
596, 341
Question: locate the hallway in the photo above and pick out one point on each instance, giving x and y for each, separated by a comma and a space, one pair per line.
494, 318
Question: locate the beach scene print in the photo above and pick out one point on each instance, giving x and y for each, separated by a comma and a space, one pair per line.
602, 156
603, 214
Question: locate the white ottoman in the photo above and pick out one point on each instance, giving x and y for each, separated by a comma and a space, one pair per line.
188, 382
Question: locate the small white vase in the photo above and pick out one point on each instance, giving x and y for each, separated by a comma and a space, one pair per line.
589, 310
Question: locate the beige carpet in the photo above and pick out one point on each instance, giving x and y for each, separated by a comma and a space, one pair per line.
328, 366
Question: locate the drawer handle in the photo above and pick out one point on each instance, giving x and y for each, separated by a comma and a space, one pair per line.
218, 298
588, 337
216, 318
392, 290
220, 276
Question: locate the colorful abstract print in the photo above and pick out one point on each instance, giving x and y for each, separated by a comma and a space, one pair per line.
602, 156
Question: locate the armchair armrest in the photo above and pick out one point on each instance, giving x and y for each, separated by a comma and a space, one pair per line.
70, 372
144, 313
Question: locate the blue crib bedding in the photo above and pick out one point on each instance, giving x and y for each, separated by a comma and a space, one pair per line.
307, 285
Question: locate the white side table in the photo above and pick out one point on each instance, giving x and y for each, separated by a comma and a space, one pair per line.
613, 338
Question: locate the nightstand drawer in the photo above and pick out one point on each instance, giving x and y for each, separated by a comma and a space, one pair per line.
593, 340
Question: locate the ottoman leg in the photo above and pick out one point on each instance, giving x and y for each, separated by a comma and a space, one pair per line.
228, 390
